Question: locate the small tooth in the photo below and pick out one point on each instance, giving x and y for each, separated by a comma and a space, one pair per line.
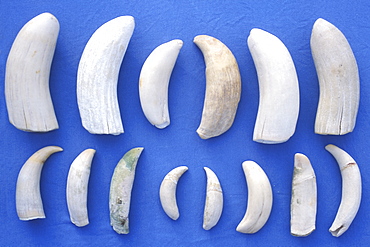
214, 200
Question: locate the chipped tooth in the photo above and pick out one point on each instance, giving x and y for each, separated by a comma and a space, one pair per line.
214, 200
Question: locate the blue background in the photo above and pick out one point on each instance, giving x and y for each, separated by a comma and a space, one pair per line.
158, 22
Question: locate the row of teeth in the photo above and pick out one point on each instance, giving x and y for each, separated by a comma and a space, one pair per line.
30, 107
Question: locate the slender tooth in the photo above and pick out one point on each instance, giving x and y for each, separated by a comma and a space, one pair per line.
167, 192
214, 200
27, 93
120, 190
338, 78
77, 183
223, 87
351, 190
279, 91
259, 198
153, 83
304, 198
28, 198
97, 76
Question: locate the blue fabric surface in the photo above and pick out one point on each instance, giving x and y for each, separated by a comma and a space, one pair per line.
158, 22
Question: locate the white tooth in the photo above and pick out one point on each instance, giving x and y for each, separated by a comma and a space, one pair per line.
304, 198
120, 190
259, 198
27, 93
28, 198
338, 78
77, 183
153, 83
97, 76
223, 87
167, 192
214, 200
351, 190
278, 85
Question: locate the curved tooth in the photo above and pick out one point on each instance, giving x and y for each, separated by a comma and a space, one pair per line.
214, 200
223, 87
259, 198
28, 198
153, 83
97, 76
27, 93
304, 197
351, 190
120, 190
77, 183
278, 85
167, 192
338, 78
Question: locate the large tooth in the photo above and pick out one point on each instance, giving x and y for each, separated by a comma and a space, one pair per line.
223, 87
304, 197
167, 192
27, 93
153, 83
278, 85
351, 190
77, 183
120, 190
214, 200
259, 198
338, 78
28, 198
97, 76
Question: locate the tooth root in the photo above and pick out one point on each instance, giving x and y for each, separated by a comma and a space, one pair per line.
223, 87
97, 76
259, 199
167, 192
351, 190
214, 200
27, 93
28, 198
304, 198
338, 78
153, 83
279, 91
120, 190
77, 184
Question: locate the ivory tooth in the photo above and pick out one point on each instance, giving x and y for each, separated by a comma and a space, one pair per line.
338, 78
27, 93
28, 198
278, 85
167, 192
214, 200
259, 199
97, 76
120, 190
77, 183
153, 83
351, 190
304, 197
223, 87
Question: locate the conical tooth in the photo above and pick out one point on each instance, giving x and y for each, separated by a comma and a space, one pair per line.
214, 200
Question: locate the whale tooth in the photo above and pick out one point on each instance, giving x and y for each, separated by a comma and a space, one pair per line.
214, 200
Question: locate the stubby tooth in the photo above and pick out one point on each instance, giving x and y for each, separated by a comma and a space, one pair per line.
303, 205
153, 83
214, 200
278, 85
97, 76
223, 87
120, 190
338, 79
167, 192
28, 198
77, 184
27, 93
351, 190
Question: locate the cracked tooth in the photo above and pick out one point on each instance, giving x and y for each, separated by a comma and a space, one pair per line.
214, 200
